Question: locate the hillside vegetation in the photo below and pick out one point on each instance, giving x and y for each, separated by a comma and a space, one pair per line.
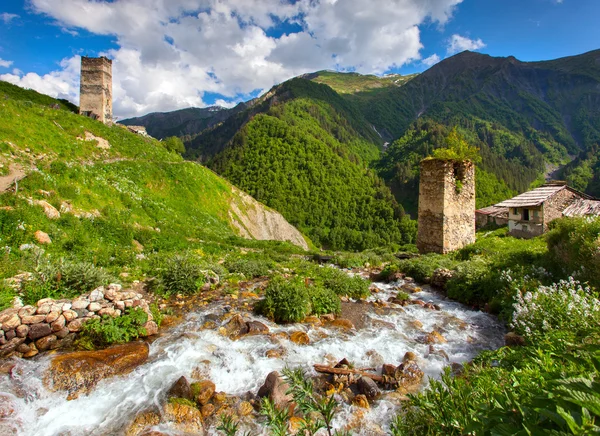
111, 199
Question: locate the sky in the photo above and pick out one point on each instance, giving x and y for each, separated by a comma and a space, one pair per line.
172, 54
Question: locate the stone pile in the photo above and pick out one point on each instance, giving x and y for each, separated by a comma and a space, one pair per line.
52, 324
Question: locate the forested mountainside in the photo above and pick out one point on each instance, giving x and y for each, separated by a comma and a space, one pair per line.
527, 118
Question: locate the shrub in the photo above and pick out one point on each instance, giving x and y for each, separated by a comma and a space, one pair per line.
249, 266
344, 284
565, 305
286, 300
180, 274
108, 330
323, 300
402, 296
7, 294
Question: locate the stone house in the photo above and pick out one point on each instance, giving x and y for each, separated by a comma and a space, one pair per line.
491, 215
529, 213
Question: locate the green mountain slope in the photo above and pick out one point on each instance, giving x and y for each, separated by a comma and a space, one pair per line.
100, 191
304, 150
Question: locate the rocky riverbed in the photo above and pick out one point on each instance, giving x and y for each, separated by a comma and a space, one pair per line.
230, 352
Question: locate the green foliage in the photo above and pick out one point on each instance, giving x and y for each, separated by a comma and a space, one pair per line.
343, 284
277, 419
183, 402
181, 274
402, 296
549, 389
573, 245
106, 331
174, 144
249, 266
157, 314
292, 300
7, 295
8, 90
456, 149
229, 426
61, 278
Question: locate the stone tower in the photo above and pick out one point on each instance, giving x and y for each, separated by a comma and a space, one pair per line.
95, 96
446, 206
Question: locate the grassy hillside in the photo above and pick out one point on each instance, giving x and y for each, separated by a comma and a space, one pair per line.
115, 203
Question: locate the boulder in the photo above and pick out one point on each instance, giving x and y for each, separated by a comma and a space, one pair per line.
409, 376
50, 211
181, 389
22, 331
236, 327
46, 342
151, 328
368, 388
94, 307
257, 328
10, 320
10, 346
207, 410
80, 371
52, 316
79, 304
76, 325
202, 391
342, 323
42, 237
58, 324
185, 418
142, 422
440, 277
435, 338
97, 294
300, 338
512, 339
275, 388
27, 311
34, 319
37, 331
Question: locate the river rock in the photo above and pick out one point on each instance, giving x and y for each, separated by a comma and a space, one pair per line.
27, 311
151, 328
300, 338
435, 337
409, 376
34, 319
94, 307
245, 408
44, 308
361, 401
70, 315
97, 294
203, 391
58, 324
37, 331
181, 389
142, 422
52, 316
207, 410
342, 323
11, 321
46, 342
185, 419
10, 346
440, 277
80, 371
76, 325
257, 328
22, 331
368, 388
62, 333
236, 327
10, 334
275, 388
79, 304
514, 340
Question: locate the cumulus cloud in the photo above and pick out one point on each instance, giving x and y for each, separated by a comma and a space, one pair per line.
7, 18
171, 52
431, 60
458, 43
5, 64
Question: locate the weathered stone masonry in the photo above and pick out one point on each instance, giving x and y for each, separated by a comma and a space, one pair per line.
446, 206
95, 98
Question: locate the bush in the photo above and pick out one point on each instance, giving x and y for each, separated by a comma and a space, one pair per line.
343, 284
62, 279
180, 274
7, 294
566, 305
286, 300
323, 300
108, 330
249, 266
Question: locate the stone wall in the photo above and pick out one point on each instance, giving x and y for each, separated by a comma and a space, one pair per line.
446, 206
555, 205
52, 324
95, 98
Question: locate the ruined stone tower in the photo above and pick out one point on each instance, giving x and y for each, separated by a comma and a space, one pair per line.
446, 206
95, 98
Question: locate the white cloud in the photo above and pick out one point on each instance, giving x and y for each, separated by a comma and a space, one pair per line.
7, 18
431, 60
458, 43
5, 64
171, 52
63, 83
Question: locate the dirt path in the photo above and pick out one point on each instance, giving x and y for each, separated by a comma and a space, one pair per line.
15, 174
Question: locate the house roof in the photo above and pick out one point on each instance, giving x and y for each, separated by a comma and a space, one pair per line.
583, 207
538, 196
494, 211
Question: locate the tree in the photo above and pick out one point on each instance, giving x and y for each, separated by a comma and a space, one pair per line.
457, 148
174, 144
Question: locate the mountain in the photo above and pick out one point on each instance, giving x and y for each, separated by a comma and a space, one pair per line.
104, 195
183, 123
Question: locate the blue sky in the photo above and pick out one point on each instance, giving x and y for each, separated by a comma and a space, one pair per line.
170, 54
